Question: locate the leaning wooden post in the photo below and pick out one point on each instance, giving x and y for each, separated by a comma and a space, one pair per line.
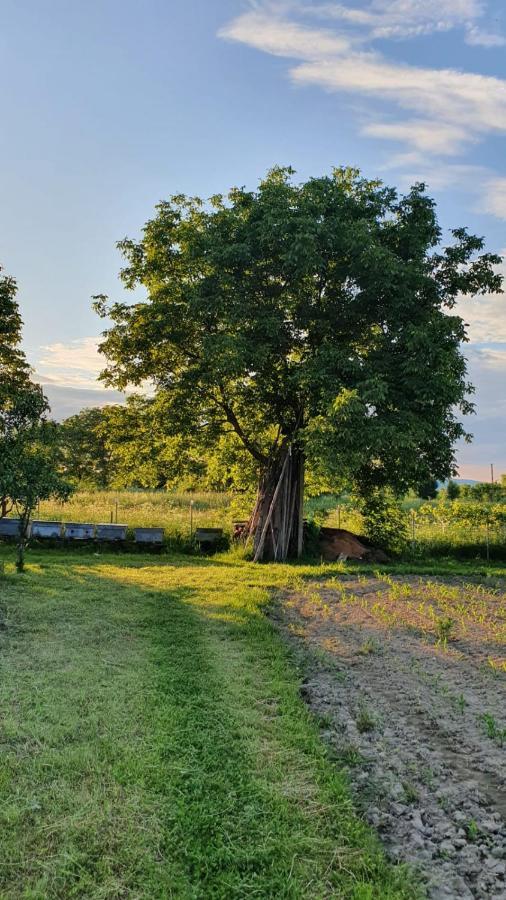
261, 542
300, 531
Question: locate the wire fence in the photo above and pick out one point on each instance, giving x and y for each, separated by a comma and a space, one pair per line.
438, 532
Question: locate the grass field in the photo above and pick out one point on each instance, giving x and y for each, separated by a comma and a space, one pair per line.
154, 743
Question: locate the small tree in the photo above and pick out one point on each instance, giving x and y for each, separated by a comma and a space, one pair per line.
428, 490
29, 473
385, 522
453, 491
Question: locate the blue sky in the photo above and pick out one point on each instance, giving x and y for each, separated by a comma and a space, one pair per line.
108, 107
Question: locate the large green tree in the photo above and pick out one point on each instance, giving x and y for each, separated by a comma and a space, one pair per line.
311, 319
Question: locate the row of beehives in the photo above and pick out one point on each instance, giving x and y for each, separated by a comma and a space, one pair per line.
77, 531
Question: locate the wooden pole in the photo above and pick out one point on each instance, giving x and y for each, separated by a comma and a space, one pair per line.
259, 550
300, 532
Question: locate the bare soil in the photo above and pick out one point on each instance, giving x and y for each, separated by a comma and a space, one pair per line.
408, 679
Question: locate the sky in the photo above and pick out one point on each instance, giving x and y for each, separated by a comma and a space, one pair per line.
109, 106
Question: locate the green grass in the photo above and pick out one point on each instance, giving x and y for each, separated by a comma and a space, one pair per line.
154, 743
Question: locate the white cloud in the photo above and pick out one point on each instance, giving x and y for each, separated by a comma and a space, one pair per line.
492, 358
75, 367
464, 100
493, 197
437, 175
486, 317
280, 37
423, 134
451, 108
399, 19
77, 364
476, 37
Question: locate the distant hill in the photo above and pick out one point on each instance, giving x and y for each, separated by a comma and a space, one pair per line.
442, 484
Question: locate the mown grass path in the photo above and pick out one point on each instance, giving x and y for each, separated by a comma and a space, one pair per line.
153, 743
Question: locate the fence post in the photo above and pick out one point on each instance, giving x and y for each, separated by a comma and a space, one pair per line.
488, 540
191, 520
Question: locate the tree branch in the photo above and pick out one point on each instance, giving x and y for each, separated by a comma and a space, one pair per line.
232, 419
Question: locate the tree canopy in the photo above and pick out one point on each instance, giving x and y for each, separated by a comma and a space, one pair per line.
312, 318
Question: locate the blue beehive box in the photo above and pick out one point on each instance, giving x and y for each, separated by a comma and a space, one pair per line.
9, 527
148, 535
42, 529
111, 532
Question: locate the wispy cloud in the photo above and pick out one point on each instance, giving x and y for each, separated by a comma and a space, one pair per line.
281, 37
486, 318
452, 109
493, 197
70, 370
477, 37
423, 134
445, 96
76, 364
400, 19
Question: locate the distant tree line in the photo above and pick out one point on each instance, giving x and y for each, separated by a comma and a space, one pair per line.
127, 446
481, 492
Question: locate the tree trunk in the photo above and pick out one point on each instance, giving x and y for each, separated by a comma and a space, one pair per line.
20, 557
5, 506
24, 521
277, 520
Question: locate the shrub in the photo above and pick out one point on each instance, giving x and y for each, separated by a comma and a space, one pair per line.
385, 523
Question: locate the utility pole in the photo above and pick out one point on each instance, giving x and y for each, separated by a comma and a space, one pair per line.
492, 472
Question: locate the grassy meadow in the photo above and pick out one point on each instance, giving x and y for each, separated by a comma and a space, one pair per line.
155, 744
